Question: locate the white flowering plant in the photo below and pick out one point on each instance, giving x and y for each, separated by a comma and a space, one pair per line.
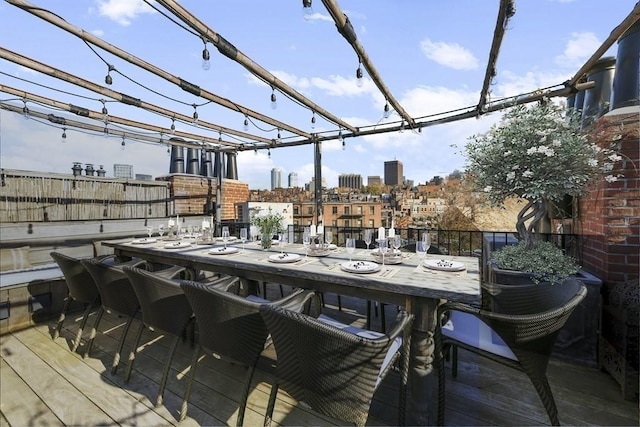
269, 224
540, 154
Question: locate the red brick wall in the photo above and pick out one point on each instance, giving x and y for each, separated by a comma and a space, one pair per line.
190, 193
609, 218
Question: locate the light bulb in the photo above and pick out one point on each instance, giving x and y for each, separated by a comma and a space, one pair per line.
359, 77
63, 138
340, 138
105, 113
307, 10
25, 112
195, 117
206, 64
123, 144
108, 80
269, 152
344, 145
173, 126
255, 151
387, 111
274, 102
279, 137
105, 131
220, 137
246, 124
313, 120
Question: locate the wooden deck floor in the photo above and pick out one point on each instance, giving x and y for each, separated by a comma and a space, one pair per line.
43, 383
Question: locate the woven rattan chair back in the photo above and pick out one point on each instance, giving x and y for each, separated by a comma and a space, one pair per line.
528, 319
333, 371
81, 288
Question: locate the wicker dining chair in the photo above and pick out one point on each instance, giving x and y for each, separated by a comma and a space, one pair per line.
117, 296
165, 308
518, 332
231, 326
332, 367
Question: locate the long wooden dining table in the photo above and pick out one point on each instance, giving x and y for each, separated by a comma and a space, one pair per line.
409, 284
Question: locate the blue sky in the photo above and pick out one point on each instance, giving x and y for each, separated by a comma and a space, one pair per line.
431, 54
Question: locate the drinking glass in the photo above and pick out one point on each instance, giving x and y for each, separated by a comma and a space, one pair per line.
367, 238
427, 241
351, 246
328, 237
160, 230
225, 236
383, 249
420, 250
396, 242
282, 240
306, 241
190, 230
149, 230
243, 237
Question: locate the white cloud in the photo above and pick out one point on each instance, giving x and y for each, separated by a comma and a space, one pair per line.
123, 11
317, 16
97, 33
306, 173
449, 54
578, 48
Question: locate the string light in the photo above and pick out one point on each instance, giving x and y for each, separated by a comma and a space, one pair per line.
63, 137
307, 10
25, 110
274, 102
269, 152
387, 110
255, 151
105, 131
107, 79
123, 144
105, 112
279, 137
205, 57
195, 114
246, 124
359, 74
220, 137
173, 126
340, 138
313, 120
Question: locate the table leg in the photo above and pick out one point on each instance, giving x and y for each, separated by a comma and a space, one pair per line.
422, 392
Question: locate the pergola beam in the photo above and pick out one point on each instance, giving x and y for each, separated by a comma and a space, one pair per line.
506, 11
183, 84
123, 98
214, 143
344, 27
233, 53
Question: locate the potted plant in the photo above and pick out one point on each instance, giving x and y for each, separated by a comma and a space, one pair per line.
269, 224
539, 154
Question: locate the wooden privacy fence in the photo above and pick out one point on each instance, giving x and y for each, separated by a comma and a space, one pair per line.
35, 197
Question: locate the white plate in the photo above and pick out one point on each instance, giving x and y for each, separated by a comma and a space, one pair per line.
361, 267
223, 251
444, 265
177, 245
332, 247
284, 258
144, 241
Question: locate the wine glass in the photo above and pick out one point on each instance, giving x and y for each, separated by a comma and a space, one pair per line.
243, 237
306, 241
351, 246
367, 238
149, 230
382, 247
421, 250
396, 242
190, 230
160, 230
225, 236
427, 241
282, 240
328, 237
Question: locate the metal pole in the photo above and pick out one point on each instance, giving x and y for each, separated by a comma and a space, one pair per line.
317, 166
218, 191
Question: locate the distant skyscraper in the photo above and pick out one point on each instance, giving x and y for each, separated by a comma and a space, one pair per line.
293, 180
123, 171
350, 180
276, 178
393, 172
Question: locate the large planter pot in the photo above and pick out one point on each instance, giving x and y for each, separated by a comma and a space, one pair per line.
578, 339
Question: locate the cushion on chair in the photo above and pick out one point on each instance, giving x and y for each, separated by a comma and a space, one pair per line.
470, 330
365, 333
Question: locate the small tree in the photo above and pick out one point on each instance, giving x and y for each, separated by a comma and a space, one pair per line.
537, 153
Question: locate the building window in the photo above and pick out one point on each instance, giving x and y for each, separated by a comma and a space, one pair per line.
372, 210
346, 223
359, 223
295, 210
360, 210
371, 223
346, 210
334, 210
310, 210
334, 223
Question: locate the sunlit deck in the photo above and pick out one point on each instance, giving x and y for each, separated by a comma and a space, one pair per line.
44, 383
